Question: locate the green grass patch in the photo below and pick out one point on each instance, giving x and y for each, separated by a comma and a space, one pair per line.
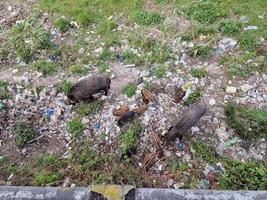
65, 86
192, 98
28, 38
230, 27
249, 123
248, 41
75, 127
4, 93
198, 73
90, 108
62, 24
45, 177
45, 67
78, 69
146, 18
105, 55
107, 26
23, 133
129, 89
159, 72
132, 58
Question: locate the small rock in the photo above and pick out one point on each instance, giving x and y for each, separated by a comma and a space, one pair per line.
230, 90
170, 182
178, 185
246, 87
227, 43
212, 102
244, 19
66, 182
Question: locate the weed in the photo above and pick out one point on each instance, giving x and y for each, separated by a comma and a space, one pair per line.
203, 52
78, 69
48, 160
249, 123
4, 93
198, 73
248, 41
244, 176
192, 98
206, 30
45, 177
132, 58
90, 108
105, 55
230, 27
159, 72
102, 67
62, 24
107, 26
28, 38
65, 86
75, 127
204, 152
174, 165
129, 139
129, 89
3, 54
205, 11
45, 67
188, 37
160, 52
146, 18
147, 86
24, 133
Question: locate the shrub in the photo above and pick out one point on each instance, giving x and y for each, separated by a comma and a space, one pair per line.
24, 133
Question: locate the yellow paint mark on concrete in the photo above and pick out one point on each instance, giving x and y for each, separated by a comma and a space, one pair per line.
112, 192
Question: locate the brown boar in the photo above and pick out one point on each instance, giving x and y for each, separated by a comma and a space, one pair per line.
84, 89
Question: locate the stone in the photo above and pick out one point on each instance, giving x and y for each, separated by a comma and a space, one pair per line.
178, 185
212, 102
227, 43
246, 87
244, 19
170, 182
230, 90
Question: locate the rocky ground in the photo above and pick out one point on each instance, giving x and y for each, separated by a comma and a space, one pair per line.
66, 144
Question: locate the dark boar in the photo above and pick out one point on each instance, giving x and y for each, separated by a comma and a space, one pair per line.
84, 89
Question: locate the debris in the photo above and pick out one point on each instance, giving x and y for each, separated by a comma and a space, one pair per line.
204, 184
180, 146
49, 112
247, 28
246, 87
230, 90
226, 44
149, 161
179, 95
187, 119
170, 182
179, 185
155, 140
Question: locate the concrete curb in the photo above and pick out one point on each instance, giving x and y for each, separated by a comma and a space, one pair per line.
82, 193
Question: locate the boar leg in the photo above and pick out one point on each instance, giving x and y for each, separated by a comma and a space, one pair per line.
106, 92
88, 99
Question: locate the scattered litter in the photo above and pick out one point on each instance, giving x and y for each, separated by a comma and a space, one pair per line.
231, 142
204, 184
244, 19
247, 28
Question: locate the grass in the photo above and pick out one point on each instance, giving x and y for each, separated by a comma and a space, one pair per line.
78, 69
159, 72
90, 108
62, 24
202, 51
75, 127
106, 26
230, 28
205, 12
248, 41
146, 18
198, 73
192, 98
47, 68
4, 93
65, 86
249, 123
129, 89
23, 133
46, 177
129, 139
105, 55
131, 58
28, 38
102, 67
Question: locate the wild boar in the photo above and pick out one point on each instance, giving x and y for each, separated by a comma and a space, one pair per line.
84, 89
